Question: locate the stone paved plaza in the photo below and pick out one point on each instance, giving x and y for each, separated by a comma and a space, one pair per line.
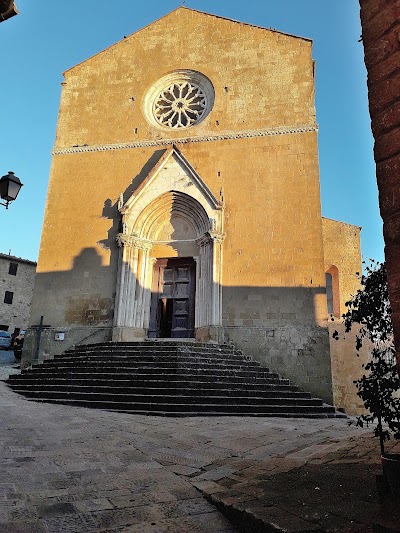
71, 469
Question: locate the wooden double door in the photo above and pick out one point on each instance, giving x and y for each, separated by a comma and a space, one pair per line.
172, 300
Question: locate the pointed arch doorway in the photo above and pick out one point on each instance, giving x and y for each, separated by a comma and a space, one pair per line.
169, 277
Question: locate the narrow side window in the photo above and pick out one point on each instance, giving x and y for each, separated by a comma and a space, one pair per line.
12, 269
8, 297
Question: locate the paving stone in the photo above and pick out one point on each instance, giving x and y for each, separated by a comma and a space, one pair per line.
24, 526
217, 473
122, 517
69, 524
196, 506
210, 487
93, 505
183, 470
282, 520
56, 509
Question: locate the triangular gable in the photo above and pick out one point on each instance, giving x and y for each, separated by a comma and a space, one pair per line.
182, 9
155, 174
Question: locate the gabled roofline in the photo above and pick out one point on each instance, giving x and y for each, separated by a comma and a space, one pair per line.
248, 24
17, 259
172, 151
196, 11
121, 40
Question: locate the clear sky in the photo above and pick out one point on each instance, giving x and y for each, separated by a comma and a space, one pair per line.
50, 36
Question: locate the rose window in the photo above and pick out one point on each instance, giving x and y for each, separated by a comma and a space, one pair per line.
180, 105
179, 100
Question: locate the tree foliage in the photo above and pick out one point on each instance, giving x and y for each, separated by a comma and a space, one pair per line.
379, 387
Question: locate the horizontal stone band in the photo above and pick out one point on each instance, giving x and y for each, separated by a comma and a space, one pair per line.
185, 140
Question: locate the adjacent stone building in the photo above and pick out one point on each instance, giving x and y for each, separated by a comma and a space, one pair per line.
16, 288
184, 200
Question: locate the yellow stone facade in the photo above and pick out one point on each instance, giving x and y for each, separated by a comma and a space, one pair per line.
249, 169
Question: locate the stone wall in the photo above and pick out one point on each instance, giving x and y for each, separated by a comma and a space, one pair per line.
342, 252
16, 314
380, 21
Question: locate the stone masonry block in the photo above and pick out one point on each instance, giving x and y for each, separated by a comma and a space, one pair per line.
387, 144
388, 119
383, 20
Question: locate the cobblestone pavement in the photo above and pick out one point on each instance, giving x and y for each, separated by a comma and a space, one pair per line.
70, 469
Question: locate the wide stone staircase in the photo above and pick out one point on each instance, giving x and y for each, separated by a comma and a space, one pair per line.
170, 378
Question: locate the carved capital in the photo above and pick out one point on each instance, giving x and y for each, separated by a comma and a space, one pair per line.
211, 237
133, 241
217, 236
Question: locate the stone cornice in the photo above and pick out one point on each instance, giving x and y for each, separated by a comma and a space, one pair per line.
247, 134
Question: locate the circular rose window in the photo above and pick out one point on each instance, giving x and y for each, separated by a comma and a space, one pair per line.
179, 100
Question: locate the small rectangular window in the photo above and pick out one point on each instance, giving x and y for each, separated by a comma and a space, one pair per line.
8, 297
13, 269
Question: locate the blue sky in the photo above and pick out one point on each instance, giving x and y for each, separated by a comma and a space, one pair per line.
50, 36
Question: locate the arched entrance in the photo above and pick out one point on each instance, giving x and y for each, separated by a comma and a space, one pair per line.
169, 277
173, 299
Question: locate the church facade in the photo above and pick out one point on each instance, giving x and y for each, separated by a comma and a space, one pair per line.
184, 201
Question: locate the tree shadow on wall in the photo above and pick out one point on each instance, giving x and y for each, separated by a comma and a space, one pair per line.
83, 295
110, 209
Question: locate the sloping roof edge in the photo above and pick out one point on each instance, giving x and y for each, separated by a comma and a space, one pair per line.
195, 11
341, 222
18, 259
249, 24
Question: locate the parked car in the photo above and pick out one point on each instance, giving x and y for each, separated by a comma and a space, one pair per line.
5, 340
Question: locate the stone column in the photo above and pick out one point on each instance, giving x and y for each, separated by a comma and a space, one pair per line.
216, 238
132, 288
208, 312
380, 21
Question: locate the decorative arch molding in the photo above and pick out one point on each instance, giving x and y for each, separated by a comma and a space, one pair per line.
172, 209
172, 204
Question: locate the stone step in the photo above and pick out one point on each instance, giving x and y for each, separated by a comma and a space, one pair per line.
166, 378
154, 384
148, 348
131, 363
110, 389
189, 407
154, 356
278, 413
179, 398
158, 344
145, 375
162, 365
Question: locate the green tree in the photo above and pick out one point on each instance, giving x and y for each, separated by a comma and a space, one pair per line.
370, 314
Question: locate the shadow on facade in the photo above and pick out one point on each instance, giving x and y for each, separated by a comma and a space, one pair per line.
280, 326
110, 209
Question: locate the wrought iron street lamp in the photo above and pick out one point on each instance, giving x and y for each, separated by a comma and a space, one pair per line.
7, 9
10, 186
